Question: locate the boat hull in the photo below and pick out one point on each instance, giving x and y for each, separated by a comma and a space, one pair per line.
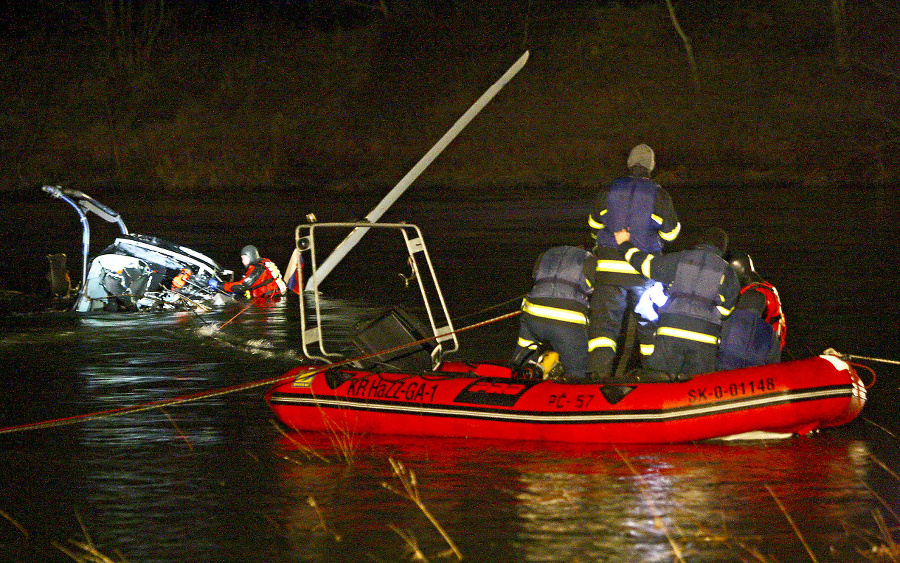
487, 401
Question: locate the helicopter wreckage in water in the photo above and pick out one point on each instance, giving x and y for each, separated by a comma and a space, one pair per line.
137, 271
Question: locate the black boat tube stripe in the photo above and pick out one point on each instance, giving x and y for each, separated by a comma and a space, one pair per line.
469, 412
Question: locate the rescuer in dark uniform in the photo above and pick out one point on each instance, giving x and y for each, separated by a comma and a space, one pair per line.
702, 290
555, 311
262, 278
755, 333
637, 203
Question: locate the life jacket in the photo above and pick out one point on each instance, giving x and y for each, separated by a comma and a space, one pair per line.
746, 341
630, 204
695, 291
559, 280
560, 275
181, 279
773, 314
269, 282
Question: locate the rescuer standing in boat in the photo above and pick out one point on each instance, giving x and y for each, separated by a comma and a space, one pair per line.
262, 278
702, 289
555, 311
639, 204
754, 334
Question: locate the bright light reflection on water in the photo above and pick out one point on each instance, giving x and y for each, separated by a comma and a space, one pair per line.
213, 480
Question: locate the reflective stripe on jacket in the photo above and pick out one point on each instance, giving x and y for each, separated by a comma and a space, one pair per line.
563, 283
695, 291
559, 274
630, 204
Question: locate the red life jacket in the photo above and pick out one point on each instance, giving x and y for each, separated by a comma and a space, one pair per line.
268, 284
773, 313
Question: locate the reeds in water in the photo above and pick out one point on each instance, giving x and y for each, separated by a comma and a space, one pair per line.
407, 478
322, 524
85, 551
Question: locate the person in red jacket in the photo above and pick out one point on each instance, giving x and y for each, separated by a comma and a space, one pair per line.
262, 278
758, 294
754, 334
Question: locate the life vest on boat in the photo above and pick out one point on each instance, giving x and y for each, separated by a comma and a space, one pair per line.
262, 279
773, 315
561, 288
630, 204
747, 340
695, 290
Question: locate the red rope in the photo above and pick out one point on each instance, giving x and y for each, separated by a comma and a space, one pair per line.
144, 406
872, 371
220, 391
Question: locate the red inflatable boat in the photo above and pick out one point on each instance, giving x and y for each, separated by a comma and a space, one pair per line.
487, 401
403, 385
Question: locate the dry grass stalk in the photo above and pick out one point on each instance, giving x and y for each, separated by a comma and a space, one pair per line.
342, 440
885, 467
792, 523
890, 547
411, 543
307, 451
726, 538
325, 527
88, 551
657, 518
411, 492
13, 521
882, 501
888, 432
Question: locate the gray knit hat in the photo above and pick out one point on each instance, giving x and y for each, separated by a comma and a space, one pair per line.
642, 155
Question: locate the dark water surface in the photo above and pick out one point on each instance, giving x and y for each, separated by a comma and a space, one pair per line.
214, 480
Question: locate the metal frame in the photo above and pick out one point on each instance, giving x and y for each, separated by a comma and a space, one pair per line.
82, 203
419, 259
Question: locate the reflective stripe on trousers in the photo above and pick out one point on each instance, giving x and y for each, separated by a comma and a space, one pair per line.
601, 342
687, 335
554, 313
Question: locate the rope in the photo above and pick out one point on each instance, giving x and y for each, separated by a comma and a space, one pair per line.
241, 312
870, 370
867, 358
66, 421
492, 307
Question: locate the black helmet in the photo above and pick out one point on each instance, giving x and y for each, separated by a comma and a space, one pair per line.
742, 264
251, 252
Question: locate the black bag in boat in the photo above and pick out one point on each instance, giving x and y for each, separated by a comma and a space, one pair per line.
385, 337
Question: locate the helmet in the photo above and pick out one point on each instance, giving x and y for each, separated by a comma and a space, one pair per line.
742, 263
251, 252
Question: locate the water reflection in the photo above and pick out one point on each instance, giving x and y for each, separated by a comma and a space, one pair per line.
530, 502
213, 480
708, 498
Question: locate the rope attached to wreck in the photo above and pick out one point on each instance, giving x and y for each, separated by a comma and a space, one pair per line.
193, 397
